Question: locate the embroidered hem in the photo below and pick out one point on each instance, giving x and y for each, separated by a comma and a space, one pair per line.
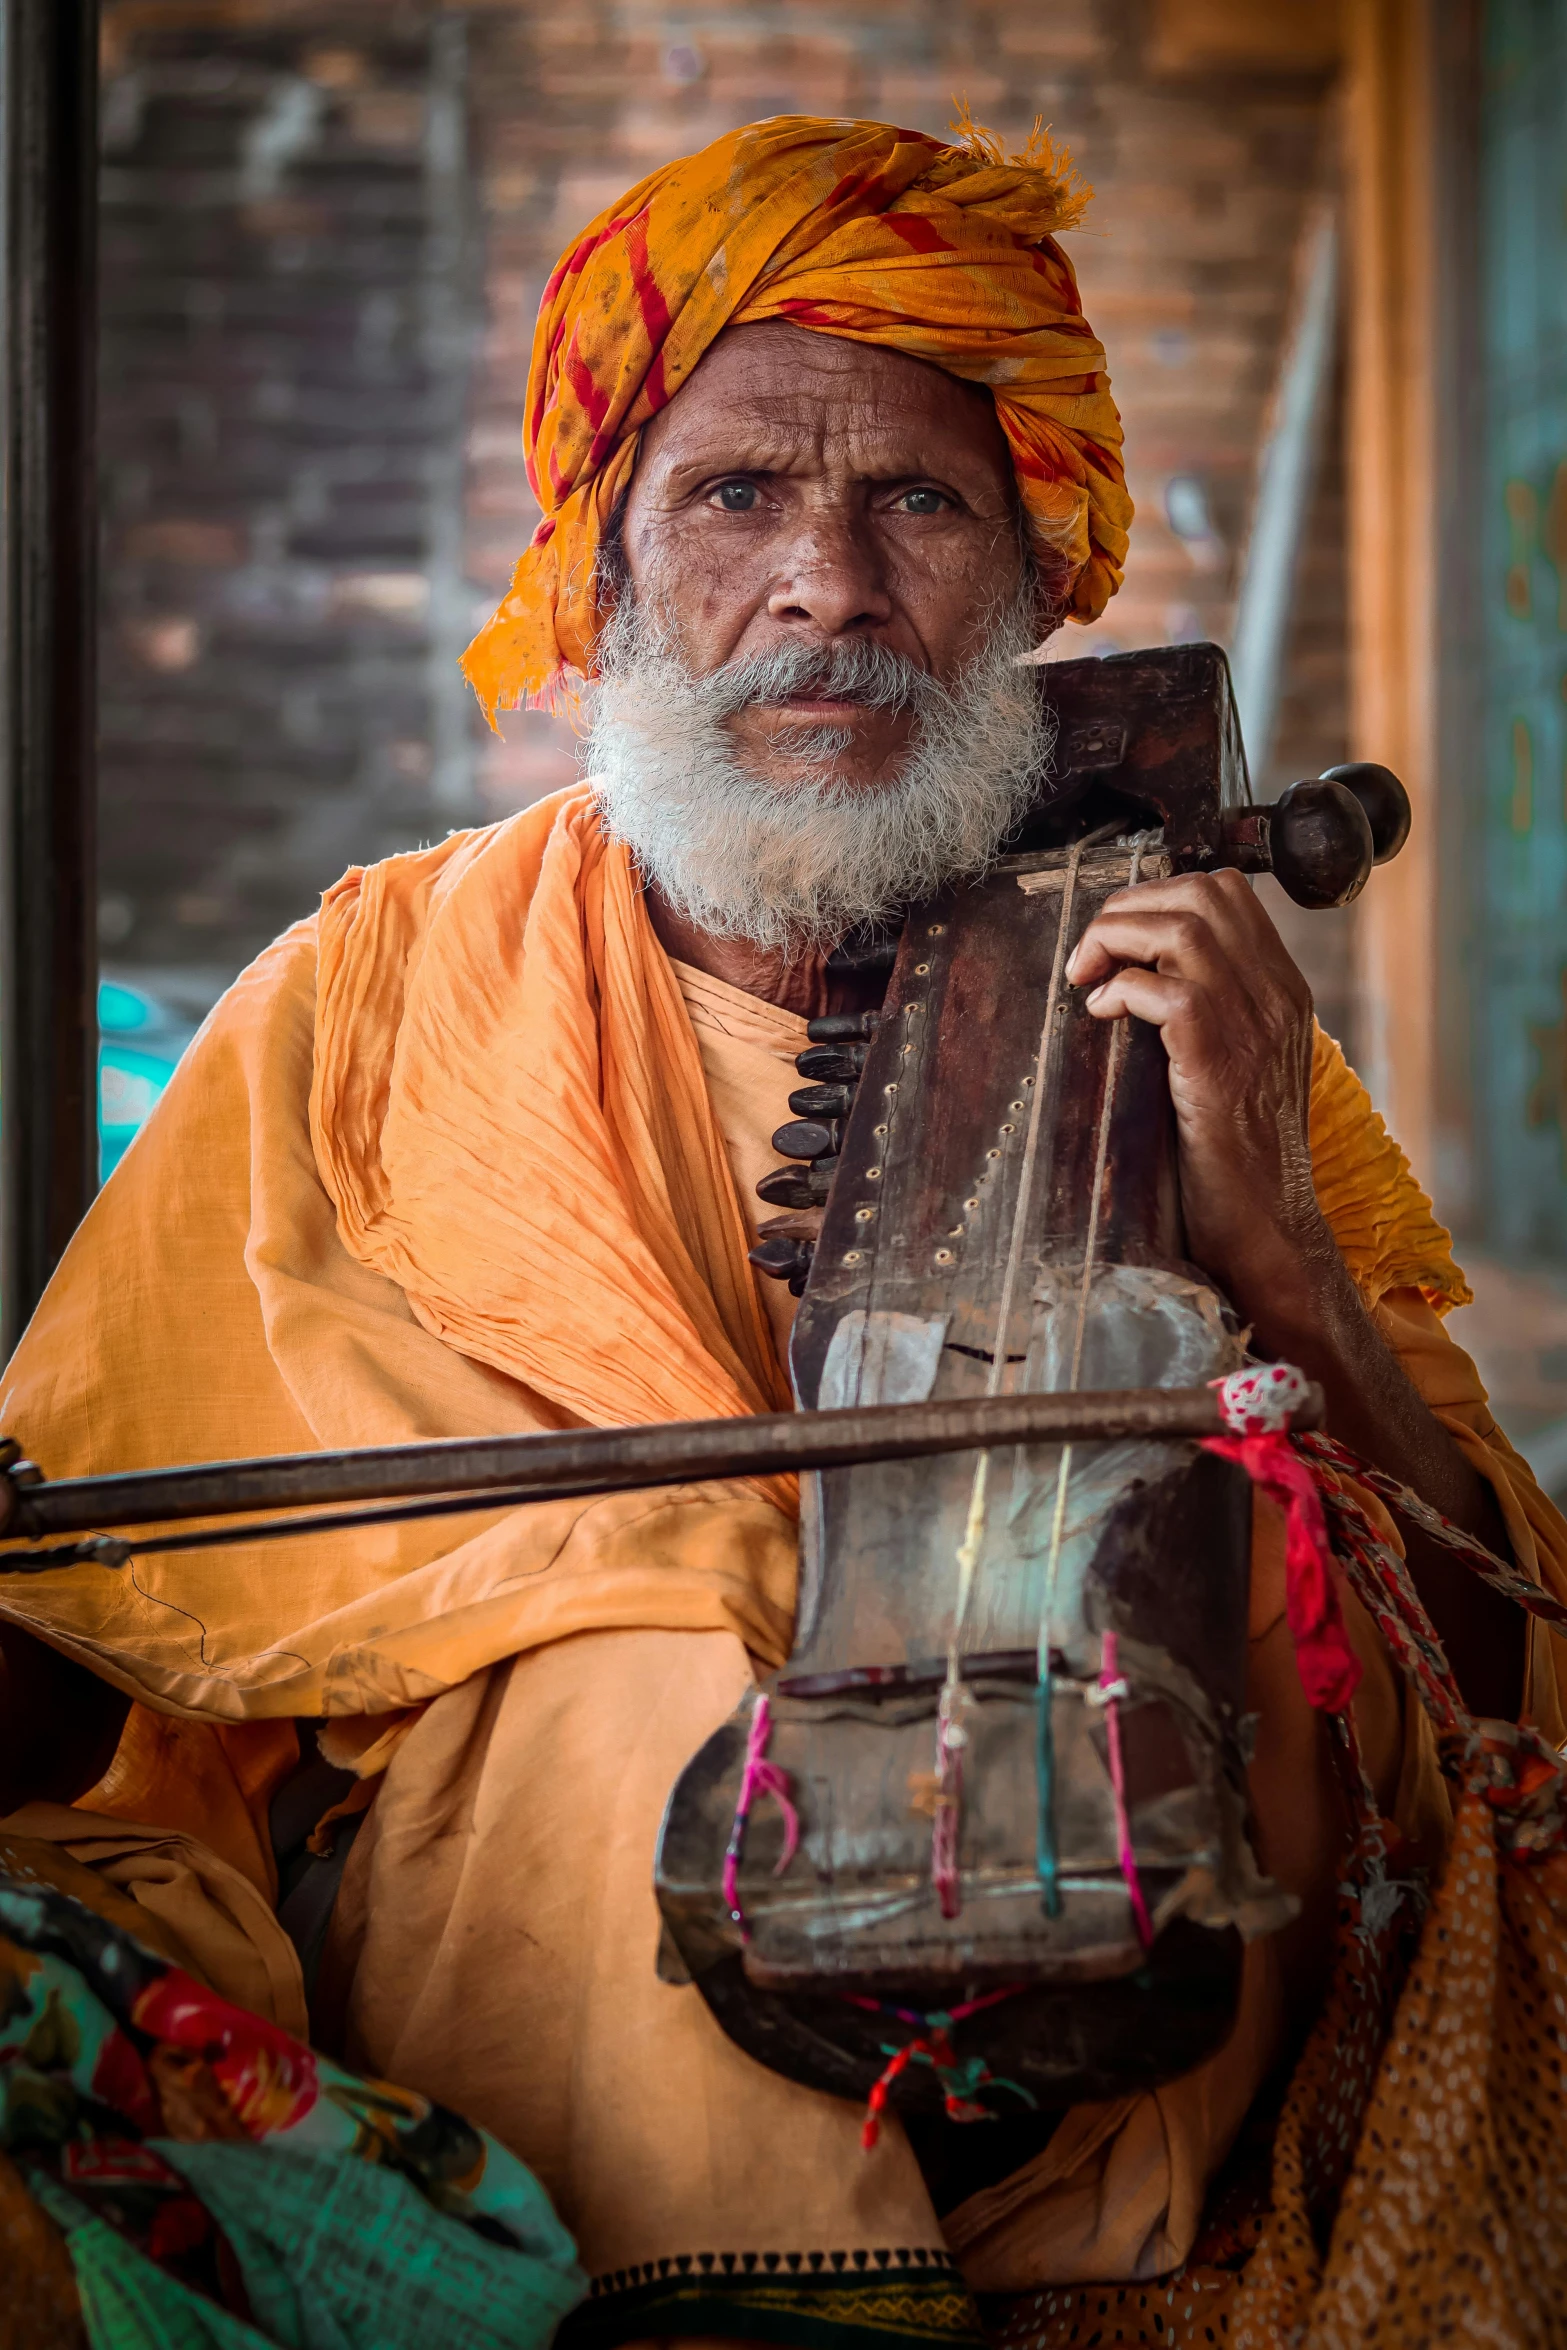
815, 2300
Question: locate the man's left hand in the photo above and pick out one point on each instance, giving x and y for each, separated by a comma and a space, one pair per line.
1198, 957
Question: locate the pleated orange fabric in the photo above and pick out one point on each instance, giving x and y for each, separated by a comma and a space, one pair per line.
445, 1163
856, 229
442, 1163
510, 1115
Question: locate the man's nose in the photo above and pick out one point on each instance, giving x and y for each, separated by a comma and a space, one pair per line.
832, 579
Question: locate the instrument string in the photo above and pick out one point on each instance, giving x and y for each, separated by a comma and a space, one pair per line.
951, 1737
1047, 1854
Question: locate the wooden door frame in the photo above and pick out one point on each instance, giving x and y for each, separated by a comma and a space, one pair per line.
1411, 149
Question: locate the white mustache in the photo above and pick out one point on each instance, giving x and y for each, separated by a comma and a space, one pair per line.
860, 671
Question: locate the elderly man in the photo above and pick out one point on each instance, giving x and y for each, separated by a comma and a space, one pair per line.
825, 451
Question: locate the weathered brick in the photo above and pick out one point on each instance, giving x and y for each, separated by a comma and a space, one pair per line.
279, 426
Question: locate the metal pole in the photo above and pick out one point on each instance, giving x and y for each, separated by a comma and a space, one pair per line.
48, 626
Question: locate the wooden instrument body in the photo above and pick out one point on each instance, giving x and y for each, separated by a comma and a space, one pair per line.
947, 1176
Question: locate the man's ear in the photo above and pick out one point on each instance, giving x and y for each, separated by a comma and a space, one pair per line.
1048, 577
612, 571
1046, 622
611, 577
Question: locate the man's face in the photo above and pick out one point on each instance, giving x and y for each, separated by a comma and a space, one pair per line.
800, 491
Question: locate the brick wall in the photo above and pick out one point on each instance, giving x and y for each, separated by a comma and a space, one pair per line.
290, 294
1203, 170
300, 313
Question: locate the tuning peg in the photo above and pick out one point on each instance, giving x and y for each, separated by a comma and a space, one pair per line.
836, 1064
842, 1027
1384, 800
809, 1138
24, 1472
821, 1101
784, 1259
798, 1187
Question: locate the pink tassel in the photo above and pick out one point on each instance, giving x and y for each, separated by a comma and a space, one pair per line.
760, 1777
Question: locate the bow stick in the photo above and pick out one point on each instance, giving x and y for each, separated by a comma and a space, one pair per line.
475, 1473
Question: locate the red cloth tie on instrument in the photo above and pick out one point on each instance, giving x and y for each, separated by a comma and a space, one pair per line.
1257, 1403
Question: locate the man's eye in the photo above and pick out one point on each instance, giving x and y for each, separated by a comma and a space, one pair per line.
737, 497
922, 502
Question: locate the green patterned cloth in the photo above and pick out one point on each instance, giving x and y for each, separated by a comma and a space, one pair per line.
219, 2185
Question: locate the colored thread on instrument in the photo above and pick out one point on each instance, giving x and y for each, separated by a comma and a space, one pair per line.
1110, 1692
1485, 1563
876, 2104
1258, 1402
951, 1738
1047, 1856
960, 2079
760, 1777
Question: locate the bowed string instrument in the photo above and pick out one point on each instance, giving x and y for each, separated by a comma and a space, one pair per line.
996, 1795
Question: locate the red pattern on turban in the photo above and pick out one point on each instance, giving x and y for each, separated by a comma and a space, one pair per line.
853, 229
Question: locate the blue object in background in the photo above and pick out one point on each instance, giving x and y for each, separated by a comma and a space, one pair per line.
1521, 1099
139, 1044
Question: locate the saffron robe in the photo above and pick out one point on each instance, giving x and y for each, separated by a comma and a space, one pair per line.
468, 1153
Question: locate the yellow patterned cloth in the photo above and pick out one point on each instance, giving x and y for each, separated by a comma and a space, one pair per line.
854, 229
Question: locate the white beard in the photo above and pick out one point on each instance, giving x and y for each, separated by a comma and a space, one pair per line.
796, 867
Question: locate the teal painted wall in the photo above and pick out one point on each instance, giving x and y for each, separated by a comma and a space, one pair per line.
1521, 1089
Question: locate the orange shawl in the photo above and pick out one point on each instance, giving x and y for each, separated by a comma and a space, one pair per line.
443, 1163
569, 1217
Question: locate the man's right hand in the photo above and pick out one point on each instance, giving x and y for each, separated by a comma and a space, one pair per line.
15, 1472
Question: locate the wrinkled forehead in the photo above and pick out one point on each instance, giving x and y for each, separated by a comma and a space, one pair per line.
775, 398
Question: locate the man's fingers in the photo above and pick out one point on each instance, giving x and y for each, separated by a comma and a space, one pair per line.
1225, 897
1170, 939
1162, 998
1222, 903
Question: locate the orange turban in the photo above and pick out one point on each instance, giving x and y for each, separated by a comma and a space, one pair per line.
854, 229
